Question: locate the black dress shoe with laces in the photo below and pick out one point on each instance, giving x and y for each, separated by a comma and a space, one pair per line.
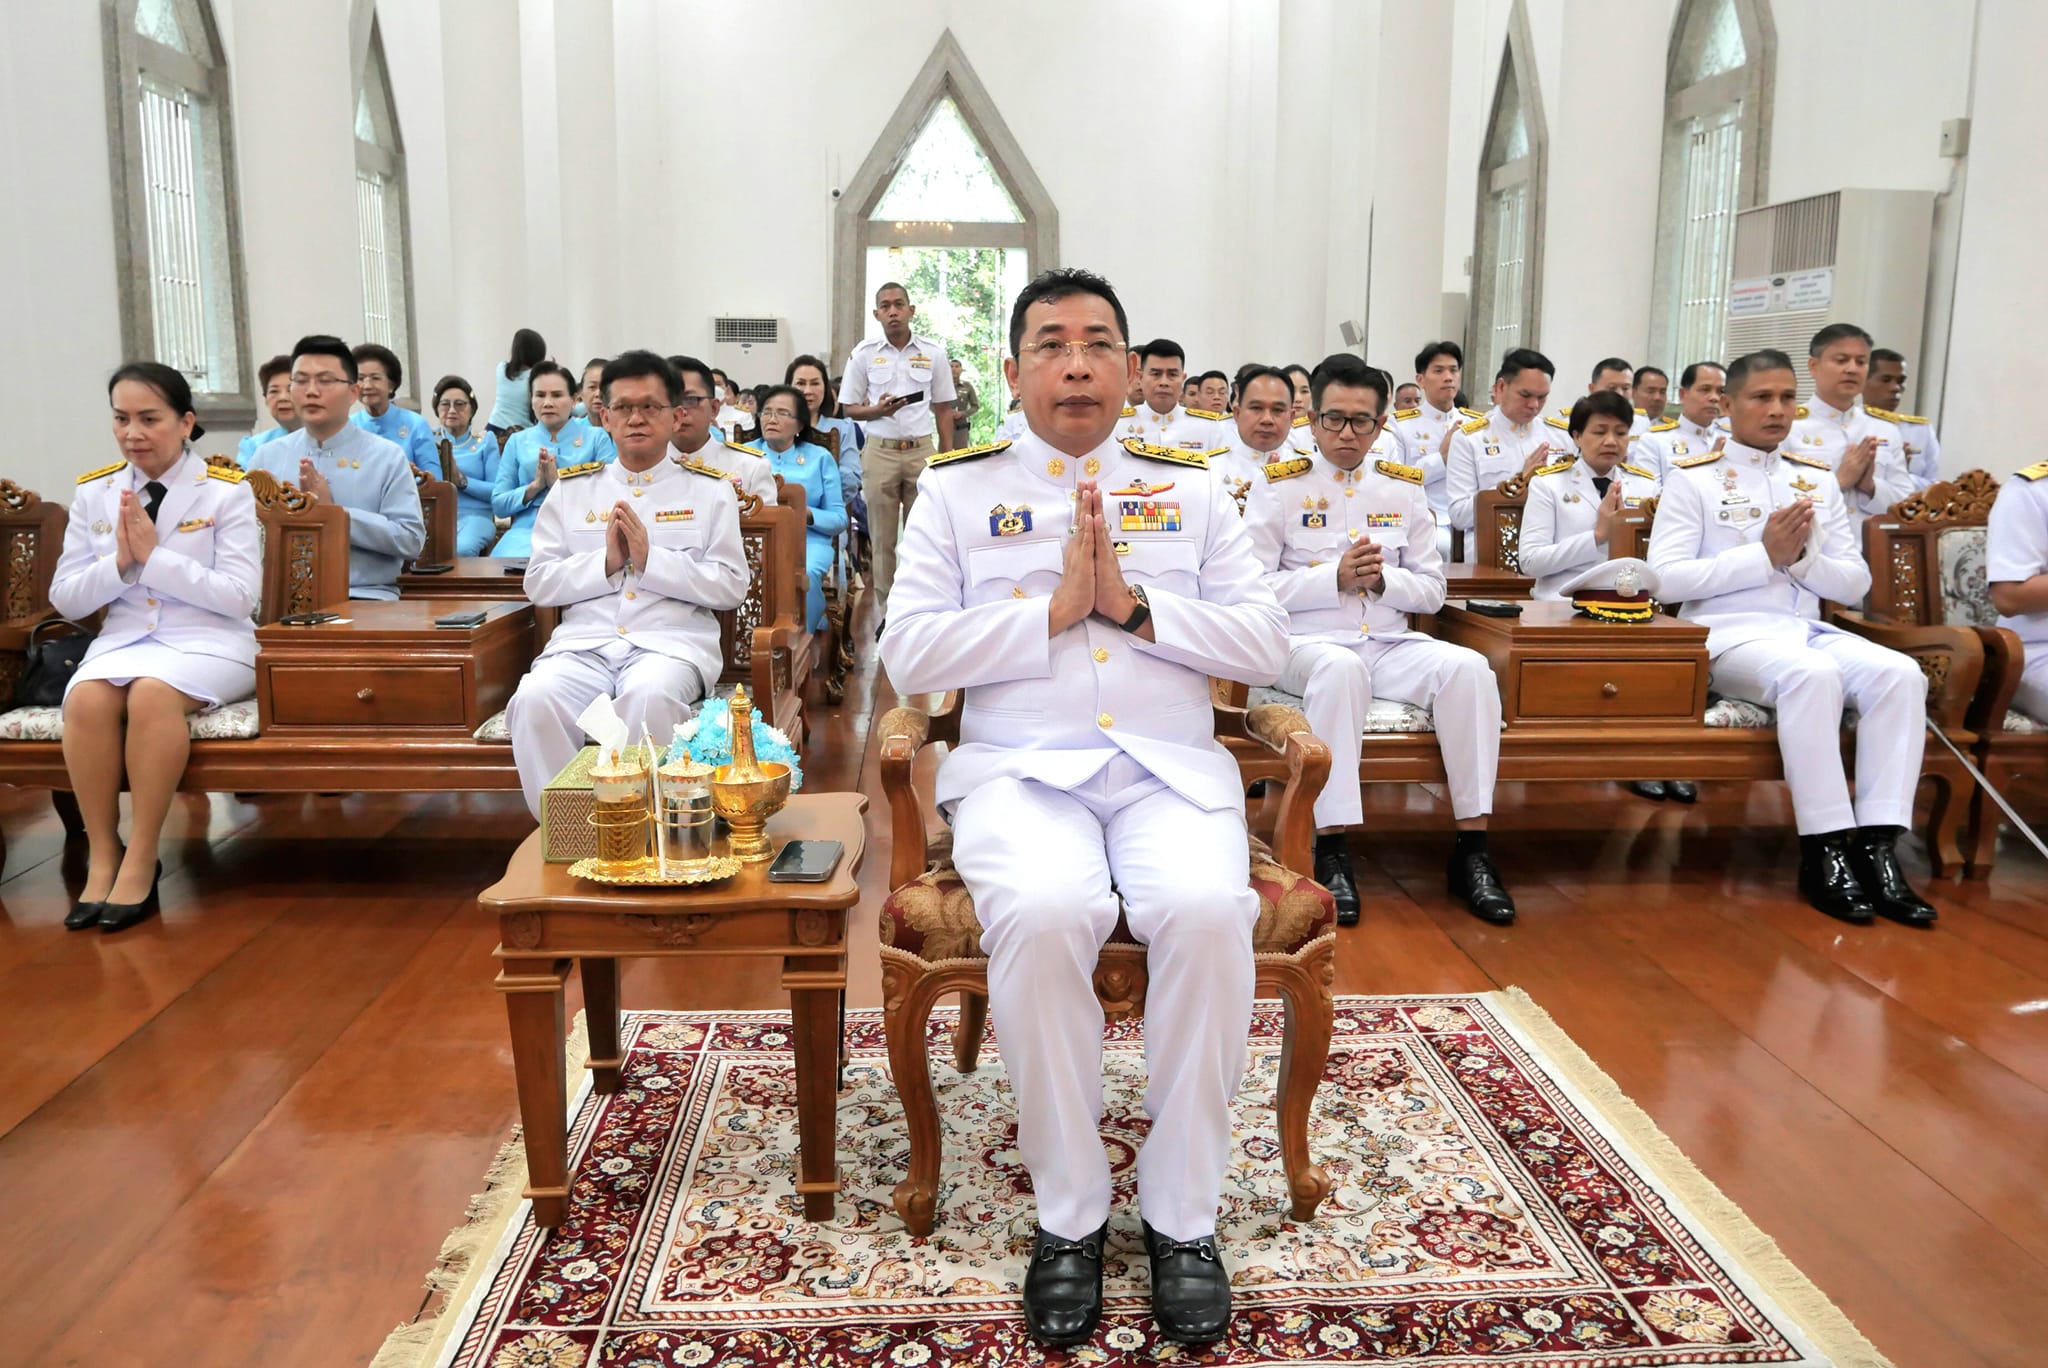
1681, 790
1652, 789
1333, 871
1828, 881
1063, 1288
1876, 862
1471, 876
1190, 1288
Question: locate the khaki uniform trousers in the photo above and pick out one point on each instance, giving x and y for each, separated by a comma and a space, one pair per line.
890, 469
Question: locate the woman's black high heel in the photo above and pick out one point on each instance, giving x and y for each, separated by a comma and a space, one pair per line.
83, 914
120, 916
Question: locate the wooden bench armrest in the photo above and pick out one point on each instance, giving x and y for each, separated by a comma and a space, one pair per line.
1285, 731
1952, 657
2004, 661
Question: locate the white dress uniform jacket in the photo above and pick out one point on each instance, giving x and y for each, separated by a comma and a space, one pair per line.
1420, 432
1557, 523
747, 468
1240, 470
183, 615
1923, 444
877, 370
1486, 451
2016, 550
1826, 433
1182, 428
1671, 440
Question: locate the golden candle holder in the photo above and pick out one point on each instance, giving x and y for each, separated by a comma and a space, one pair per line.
746, 793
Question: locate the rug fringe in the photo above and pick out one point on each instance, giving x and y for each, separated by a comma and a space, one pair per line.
1832, 1332
466, 1251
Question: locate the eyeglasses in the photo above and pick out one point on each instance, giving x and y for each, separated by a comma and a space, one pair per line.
316, 382
631, 411
453, 405
1097, 351
784, 414
693, 402
1360, 423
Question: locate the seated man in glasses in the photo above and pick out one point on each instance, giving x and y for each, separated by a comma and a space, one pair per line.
639, 554
1349, 547
333, 460
693, 438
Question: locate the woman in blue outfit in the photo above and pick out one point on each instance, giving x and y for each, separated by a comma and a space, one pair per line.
476, 464
533, 456
511, 408
785, 424
809, 376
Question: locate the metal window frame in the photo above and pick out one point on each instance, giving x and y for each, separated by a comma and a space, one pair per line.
1529, 171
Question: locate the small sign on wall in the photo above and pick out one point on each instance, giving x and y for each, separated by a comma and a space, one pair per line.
1810, 289
1793, 292
1746, 297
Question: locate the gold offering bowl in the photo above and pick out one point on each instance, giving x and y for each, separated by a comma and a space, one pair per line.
746, 801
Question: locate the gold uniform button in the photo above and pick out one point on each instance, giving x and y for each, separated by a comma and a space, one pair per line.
1350, 493
1017, 593
1100, 655
150, 602
1363, 629
622, 631
631, 595
1105, 721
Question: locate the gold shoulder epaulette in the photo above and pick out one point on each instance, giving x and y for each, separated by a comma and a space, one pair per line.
1666, 426
1799, 412
1139, 447
1557, 467
1475, 425
232, 474
751, 451
1891, 417
1287, 470
1214, 452
1400, 415
1302, 421
1204, 413
1558, 423
1905, 418
1638, 471
102, 472
1471, 413
1640, 409
1565, 412
571, 472
1813, 461
1704, 458
968, 453
700, 468
1394, 469
1129, 412
2036, 471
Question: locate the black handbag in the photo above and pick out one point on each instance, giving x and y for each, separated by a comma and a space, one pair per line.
55, 648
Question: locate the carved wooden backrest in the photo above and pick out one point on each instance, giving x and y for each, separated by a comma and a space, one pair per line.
305, 549
437, 506
1904, 547
1638, 544
1497, 524
31, 540
828, 438
773, 540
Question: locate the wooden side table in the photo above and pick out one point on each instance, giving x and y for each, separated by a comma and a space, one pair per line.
1559, 669
1470, 579
474, 577
546, 918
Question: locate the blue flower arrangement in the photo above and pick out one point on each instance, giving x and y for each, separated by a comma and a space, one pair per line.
707, 739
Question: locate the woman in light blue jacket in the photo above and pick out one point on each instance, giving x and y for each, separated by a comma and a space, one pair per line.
557, 440
476, 464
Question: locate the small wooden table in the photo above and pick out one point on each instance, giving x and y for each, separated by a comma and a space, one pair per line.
474, 577
1556, 667
1470, 579
546, 918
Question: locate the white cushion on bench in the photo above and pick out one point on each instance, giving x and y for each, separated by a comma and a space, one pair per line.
2017, 721
235, 722
494, 728
1385, 715
1739, 714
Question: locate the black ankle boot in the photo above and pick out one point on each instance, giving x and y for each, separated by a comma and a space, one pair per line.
1333, 871
1063, 1288
1874, 857
1828, 881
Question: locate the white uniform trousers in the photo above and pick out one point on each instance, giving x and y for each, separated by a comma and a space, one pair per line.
1807, 685
2031, 697
1045, 868
1338, 682
649, 690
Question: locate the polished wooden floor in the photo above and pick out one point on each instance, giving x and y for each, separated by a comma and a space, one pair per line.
238, 1134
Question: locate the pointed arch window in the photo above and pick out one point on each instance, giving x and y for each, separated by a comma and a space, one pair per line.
181, 288
1508, 262
380, 211
1715, 120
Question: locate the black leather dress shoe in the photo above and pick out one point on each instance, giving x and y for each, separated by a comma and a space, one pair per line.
120, 916
1190, 1288
1063, 1288
1472, 877
82, 915
1333, 871
1828, 881
1876, 862
1681, 790
1652, 789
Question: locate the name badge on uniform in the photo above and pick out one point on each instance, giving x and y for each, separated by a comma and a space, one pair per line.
1678, 448
1493, 448
1140, 489
676, 515
1804, 485
195, 524
1008, 522
1315, 520
1736, 515
101, 526
1149, 515
1384, 522
1122, 548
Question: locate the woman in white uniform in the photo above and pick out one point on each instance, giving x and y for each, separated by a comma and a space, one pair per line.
169, 547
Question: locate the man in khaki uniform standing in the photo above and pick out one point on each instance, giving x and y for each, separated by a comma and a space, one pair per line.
899, 386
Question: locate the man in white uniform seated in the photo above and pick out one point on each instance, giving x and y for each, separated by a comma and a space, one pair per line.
2016, 561
1261, 433
639, 555
1349, 547
1082, 592
1752, 538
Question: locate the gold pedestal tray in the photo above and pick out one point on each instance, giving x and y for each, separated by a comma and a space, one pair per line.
646, 872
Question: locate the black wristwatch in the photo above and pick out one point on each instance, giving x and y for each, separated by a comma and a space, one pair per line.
1139, 615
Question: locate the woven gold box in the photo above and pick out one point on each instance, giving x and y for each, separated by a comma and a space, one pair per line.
566, 834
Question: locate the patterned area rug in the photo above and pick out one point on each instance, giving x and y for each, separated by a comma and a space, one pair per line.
1496, 1201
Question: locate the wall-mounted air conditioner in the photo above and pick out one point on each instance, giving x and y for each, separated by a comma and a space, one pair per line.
752, 350
1853, 256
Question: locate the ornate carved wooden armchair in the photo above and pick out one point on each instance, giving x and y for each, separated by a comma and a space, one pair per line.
1497, 525
437, 507
931, 946
31, 540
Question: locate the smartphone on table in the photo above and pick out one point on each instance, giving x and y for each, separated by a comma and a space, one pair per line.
805, 862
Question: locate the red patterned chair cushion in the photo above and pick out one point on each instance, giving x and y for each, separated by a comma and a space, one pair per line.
933, 918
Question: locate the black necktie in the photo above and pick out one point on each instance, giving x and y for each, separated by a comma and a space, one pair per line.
155, 490
1600, 482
